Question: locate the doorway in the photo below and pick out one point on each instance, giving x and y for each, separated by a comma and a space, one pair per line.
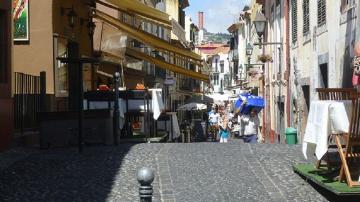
73, 76
306, 93
281, 122
6, 104
324, 82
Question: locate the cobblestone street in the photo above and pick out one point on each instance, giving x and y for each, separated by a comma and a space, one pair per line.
184, 172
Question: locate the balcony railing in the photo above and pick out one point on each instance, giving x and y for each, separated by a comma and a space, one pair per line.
160, 73
189, 84
178, 31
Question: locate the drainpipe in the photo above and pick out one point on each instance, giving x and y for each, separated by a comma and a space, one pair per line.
279, 93
299, 101
288, 67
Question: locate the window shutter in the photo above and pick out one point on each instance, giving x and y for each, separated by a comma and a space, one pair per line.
232, 43
321, 12
306, 13
294, 20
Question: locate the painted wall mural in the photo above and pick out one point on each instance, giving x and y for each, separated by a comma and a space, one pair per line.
21, 20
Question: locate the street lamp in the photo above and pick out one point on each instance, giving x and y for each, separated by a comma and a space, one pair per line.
249, 51
260, 24
72, 15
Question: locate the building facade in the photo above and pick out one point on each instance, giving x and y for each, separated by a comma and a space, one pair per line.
66, 30
38, 40
259, 63
276, 72
220, 68
322, 40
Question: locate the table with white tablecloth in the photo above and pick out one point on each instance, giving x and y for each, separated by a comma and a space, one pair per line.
156, 106
326, 117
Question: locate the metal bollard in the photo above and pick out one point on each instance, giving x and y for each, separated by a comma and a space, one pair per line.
145, 177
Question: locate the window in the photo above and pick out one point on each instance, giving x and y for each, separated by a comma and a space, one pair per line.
294, 20
346, 5
221, 85
216, 65
321, 18
61, 69
227, 80
232, 43
306, 16
222, 66
216, 79
3, 47
236, 38
306, 92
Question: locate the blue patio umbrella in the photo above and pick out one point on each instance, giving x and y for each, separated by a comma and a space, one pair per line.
253, 101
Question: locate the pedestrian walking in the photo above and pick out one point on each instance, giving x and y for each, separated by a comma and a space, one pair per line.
213, 122
251, 124
224, 128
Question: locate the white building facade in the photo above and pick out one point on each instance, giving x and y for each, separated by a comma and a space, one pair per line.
323, 36
220, 72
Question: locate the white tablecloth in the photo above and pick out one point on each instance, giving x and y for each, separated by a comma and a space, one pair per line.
326, 117
175, 126
157, 103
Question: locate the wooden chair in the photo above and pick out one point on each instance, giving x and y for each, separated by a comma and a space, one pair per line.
351, 153
332, 94
335, 93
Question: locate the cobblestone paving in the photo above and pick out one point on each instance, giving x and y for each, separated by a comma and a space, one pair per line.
235, 172
184, 172
99, 174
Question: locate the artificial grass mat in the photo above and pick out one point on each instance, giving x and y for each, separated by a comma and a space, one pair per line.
325, 179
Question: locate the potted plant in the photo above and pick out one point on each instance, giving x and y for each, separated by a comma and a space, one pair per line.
265, 58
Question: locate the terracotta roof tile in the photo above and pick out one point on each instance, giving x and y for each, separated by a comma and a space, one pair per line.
210, 45
221, 49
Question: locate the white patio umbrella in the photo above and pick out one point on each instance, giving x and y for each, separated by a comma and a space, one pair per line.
192, 107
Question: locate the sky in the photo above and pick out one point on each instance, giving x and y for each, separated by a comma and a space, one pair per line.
218, 14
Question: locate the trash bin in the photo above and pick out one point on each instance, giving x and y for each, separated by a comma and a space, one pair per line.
291, 135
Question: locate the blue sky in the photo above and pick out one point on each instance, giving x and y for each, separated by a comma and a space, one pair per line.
218, 14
